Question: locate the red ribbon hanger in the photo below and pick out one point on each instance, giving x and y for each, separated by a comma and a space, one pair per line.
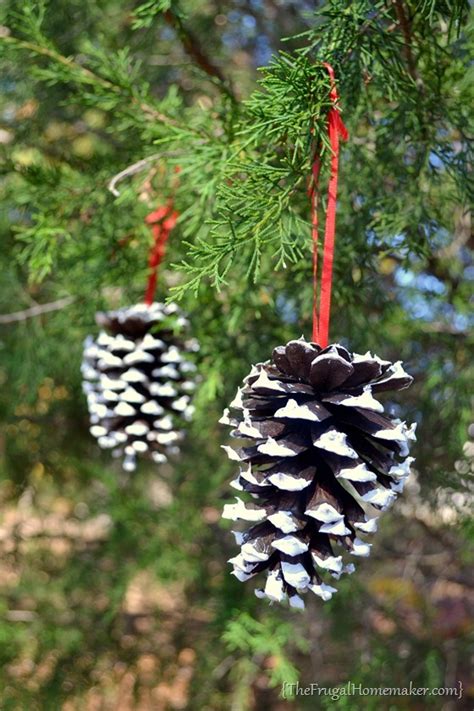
336, 129
162, 221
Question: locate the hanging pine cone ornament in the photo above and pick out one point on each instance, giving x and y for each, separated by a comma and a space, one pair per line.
320, 460
138, 380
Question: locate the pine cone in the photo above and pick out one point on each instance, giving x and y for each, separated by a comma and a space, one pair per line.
137, 381
320, 452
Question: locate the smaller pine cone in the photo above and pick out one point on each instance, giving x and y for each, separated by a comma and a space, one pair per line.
321, 460
139, 380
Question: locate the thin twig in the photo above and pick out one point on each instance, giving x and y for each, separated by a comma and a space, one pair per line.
406, 30
130, 170
194, 49
37, 310
136, 168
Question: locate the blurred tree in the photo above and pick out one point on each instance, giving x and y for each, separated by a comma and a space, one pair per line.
115, 590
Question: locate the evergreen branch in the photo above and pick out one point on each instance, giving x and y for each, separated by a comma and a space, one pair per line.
37, 310
85, 76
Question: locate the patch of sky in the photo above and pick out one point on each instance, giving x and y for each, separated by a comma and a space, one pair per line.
234, 16
387, 241
404, 277
286, 309
167, 33
232, 39
438, 236
249, 22
462, 322
417, 294
469, 272
263, 51
435, 161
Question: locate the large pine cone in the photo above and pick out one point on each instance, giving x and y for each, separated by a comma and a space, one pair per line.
137, 381
320, 455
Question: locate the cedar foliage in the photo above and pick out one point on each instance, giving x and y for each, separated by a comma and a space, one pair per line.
90, 88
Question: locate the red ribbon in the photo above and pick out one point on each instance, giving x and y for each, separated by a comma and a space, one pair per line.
162, 222
336, 129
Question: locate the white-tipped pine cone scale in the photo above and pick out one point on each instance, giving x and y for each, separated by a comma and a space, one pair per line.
139, 380
320, 460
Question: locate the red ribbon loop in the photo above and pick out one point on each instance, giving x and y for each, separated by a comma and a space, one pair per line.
162, 221
336, 129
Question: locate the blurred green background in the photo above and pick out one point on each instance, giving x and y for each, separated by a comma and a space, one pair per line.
114, 589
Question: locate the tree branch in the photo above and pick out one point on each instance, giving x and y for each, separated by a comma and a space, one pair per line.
37, 310
194, 49
405, 27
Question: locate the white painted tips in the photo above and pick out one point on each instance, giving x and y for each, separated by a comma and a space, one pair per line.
226, 420
129, 464
162, 390
264, 382
295, 574
133, 375
336, 528
296, 602
324, 512
358, 473
365, 401
382, 498
181, 403
331, 563
287, 482
284, 521
166, 371
369, 526
231, 453
361, 548
137, 429
150, 343
246, 429
138, 356
274, 588
172, 355
402, 470
132, 395
253, 555
334, 441
291, 545
323, 591
237, 403
277, 449
313, 412
123, 409
240, 511
166, 438
152, 408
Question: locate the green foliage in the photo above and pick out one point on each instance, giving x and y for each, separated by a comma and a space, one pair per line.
271, 637
105, 576
146, 12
